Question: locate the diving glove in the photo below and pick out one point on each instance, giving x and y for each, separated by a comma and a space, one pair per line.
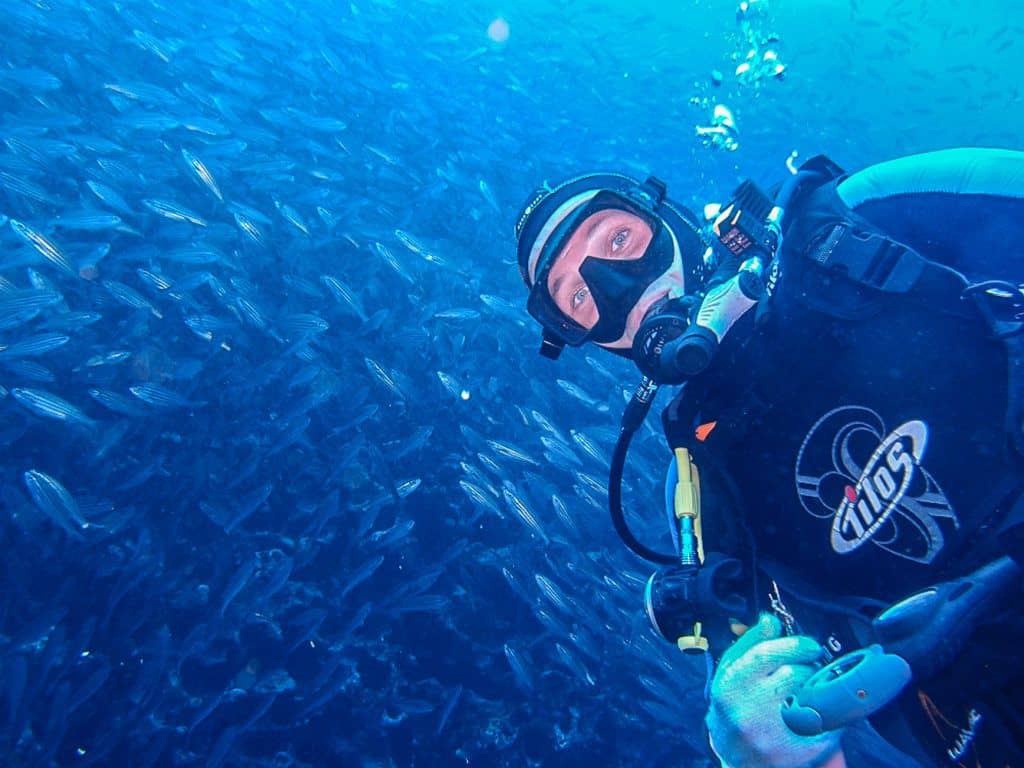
755, 674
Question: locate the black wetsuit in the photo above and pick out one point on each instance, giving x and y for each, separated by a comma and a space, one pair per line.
862, 435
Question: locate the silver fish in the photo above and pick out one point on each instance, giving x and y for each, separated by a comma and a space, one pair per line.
249, 228
480, 498
383, 377
551, 592
573, 390
25, 188
516, 504
34, 346
457, 313
511, 452
54, 500
50, 406
130, 297
292, 217
162, 397
488, 195
28, 369
88, 221
406, 488
202, 173
115, 402
519, 670
304, 324
174, 211
43, 246
344, 295
450, 383
392, 261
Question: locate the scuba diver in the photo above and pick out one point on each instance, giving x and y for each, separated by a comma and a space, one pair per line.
846, 491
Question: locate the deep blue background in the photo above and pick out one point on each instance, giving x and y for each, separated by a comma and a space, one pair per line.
265, 582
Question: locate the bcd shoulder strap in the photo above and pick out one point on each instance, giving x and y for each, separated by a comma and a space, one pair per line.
847, 268
841, 265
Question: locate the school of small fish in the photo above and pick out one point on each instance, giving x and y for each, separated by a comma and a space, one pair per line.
282, 479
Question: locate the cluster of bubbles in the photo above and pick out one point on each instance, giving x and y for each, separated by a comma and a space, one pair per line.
720, 133
759, 62
760, 59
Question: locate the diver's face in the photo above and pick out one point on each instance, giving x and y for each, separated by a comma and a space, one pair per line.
606, 234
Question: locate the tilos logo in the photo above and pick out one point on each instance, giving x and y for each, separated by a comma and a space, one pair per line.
872, 484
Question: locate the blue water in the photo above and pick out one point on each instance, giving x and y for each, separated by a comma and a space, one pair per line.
270, 408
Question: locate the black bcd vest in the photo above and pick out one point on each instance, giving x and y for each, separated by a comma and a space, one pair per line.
866, 420
862, 414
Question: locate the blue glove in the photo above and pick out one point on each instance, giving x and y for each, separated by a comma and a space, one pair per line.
754, 676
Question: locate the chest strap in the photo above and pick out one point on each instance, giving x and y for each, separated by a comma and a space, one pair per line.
871, 265
1001, 305
870, 260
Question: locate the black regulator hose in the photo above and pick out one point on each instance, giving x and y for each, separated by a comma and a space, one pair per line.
632, 418
671, 352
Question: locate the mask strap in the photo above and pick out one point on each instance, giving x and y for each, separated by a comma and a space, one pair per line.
551, 346
650, 193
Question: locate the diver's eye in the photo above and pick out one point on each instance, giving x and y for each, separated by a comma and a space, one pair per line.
620, 240
579, 297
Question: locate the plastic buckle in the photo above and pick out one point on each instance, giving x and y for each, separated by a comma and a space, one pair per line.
869, 259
